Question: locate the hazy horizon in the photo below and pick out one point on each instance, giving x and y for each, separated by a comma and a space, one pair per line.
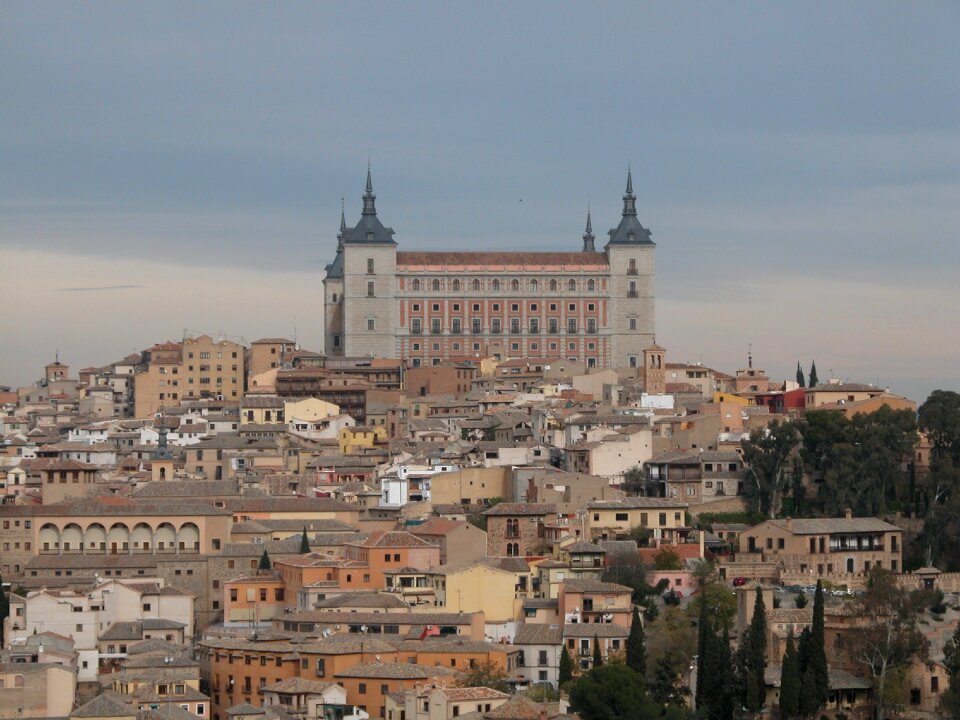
180, 166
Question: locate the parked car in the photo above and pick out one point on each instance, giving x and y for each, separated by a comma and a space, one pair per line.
739, 581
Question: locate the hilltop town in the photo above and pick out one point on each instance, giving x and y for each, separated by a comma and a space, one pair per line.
211, 529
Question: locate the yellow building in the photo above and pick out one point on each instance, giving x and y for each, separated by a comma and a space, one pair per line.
309, 409
494, 586
361, 437
212, 368
608, 519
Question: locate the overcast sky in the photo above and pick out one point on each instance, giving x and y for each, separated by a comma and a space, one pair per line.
172, 166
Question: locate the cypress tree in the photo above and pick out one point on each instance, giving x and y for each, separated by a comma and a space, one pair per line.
813, 374
597, 657
704, 630
304, 542
790, 682
710, 683
808, 701
818, 655
264, 561
566, 667
728, 688
754, 655
636, 645
800, 380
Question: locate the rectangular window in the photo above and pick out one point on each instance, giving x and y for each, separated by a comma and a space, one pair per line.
515, 326
371, 288
369, 266
435, 326
534, 326
571, 325
477, 326
371, 324
455, 327
495, 326
416, 326
553, 326
591, 325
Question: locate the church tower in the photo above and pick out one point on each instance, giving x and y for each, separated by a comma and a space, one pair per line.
655, 370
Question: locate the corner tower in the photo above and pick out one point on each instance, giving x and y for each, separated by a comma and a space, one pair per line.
370, 312
630, 253
333, 295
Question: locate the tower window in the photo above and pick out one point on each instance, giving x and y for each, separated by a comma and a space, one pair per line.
369, 266
633, 323
371, 324
371, 289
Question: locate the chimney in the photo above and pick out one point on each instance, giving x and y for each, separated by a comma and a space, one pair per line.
789, 522
848, 513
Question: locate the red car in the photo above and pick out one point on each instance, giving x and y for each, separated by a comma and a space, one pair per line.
739, 582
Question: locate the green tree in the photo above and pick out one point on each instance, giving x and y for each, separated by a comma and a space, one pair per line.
671, 642
800, 380
720, 602
790, 682
890, 637
808, 701
814, 380
566, 667
939, 419
636, 645
766, 455
597, 656
800, 600
610, 692
667, 559
753, 655
485, 674
950, 700
264, 561
817, 654
304, 542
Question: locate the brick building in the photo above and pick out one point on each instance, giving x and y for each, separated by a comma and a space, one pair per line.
517, 529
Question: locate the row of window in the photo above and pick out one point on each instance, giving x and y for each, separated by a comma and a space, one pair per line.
533, 285
496, 326
514, 307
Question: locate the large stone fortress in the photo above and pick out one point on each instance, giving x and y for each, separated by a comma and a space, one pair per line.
426, 307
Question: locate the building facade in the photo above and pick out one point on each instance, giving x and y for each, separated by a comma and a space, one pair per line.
595, 307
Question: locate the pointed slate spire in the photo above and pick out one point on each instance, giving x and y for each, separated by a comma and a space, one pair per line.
369, 206
343, 217
629, 199
588, 235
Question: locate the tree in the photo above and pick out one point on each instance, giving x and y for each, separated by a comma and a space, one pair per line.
817, 654
766, 456
610, 692
264, 561
485, 674
800, 600
720, 602
800, 380
671, 643
754, 655
636, 645
634, 481
814, 380
889, 637
566, 667
950, 700
667, 559
304, 542
597, 656
939, 419
790, 682
664, 684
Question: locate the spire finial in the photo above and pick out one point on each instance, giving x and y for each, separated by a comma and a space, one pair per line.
369, 207
343, 215
588, 234
629, 199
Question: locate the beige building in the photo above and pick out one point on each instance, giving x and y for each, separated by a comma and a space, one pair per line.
33, 690
609, 519
198, 367
490, 586
826, 546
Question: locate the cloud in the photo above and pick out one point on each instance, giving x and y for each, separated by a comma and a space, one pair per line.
99, 288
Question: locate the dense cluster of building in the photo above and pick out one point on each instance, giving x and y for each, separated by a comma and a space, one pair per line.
231, 531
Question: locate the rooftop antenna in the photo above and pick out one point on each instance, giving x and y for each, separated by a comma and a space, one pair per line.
750, 355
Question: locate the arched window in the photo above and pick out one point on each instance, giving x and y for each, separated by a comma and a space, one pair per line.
572, 285
496, 285
476, 285
515, 285
553, 286
416, 286
591, 285
436, 286
533, 286
456, 286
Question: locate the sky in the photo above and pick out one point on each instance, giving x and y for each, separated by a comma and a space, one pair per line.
171, 167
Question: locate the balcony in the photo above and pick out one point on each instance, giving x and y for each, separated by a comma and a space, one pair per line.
632, 271
632, 294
